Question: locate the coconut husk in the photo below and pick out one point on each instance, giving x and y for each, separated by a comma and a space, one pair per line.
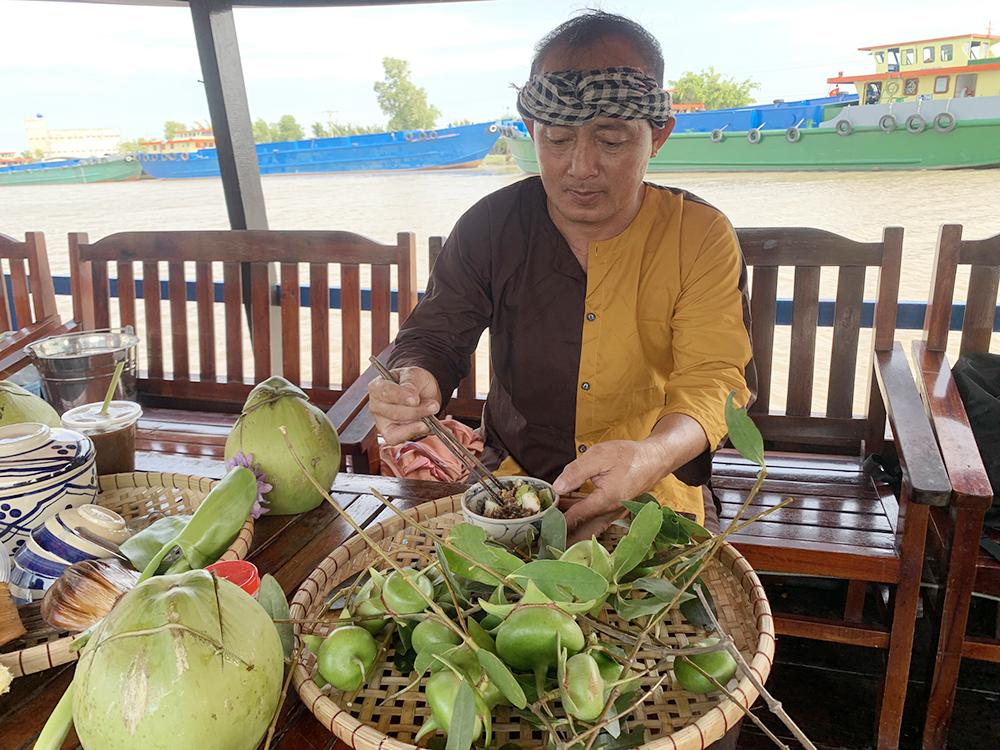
10, 624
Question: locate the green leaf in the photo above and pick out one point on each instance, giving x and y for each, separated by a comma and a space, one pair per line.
553, 533
563, 581
141, 548
743, 433
502, 678
635, 738
472, 541
672, 531
661, 588
630, 609
463, 719
427, 658
272, 599
483, 639
635, 546
634, 506
463, 598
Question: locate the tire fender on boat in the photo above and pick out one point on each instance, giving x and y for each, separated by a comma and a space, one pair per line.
944, 122
129, 157
887, 123
843, 127
172, 157
753, 135
432, 134
716, 136
184, 156
492, 128
793, 134
915, 124
422, 136
408, 136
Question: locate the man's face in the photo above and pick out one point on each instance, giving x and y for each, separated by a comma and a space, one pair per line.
593, 173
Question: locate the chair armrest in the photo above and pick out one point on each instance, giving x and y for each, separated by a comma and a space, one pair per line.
13, 357
923, 468
956, 441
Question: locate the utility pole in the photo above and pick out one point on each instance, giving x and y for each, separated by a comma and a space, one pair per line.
329, 118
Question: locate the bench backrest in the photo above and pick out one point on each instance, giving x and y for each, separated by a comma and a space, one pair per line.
32, 297
805, 252
983, 258
194, 355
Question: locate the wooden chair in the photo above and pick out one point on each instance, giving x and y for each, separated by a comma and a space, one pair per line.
29, 309
961, 568
203, 358
841, 524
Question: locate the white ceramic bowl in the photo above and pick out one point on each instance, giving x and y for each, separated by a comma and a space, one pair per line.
512, 532
43, 470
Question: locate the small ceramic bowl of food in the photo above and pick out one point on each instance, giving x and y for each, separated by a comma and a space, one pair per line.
43, 470
526, 501
59, 534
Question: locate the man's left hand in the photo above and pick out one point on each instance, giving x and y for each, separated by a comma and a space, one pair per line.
620, 470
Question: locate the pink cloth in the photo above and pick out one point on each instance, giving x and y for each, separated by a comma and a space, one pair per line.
429, 458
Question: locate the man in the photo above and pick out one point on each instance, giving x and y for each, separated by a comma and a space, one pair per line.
615, 309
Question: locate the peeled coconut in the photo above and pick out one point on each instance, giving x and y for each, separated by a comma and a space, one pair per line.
271, 404
18, 405
183, 662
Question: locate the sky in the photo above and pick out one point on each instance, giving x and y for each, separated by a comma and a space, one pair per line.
83, 65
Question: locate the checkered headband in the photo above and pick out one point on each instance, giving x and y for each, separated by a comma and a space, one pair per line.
575, 97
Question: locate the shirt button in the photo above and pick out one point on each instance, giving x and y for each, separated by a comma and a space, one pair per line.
586, 386
583, 449
591, 317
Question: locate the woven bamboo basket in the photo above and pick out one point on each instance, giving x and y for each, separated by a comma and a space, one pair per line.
673, 718
131, 495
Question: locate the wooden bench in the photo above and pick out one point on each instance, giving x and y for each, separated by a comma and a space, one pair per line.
841, 523
30, 308
205, 343
962, 568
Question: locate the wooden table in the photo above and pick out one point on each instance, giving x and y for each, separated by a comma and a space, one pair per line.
287, 547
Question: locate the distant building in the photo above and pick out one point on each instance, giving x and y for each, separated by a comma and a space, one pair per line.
11, 157
73, 143
183, 142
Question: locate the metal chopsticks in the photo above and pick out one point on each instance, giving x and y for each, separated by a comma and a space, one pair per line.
474, 466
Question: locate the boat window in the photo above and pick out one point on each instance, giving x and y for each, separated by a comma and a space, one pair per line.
873, 92
880, 57
893, 57
965, 84
941, 84
909, 57
973, 50
946, 53
928, 54
910, 86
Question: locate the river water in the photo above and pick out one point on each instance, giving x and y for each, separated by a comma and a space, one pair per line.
857, 205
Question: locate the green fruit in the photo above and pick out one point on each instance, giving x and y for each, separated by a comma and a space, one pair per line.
401, 598
610, 669
582, 690
442, 689
527, 638
432, 631
371, 608
720, 664
346, 655
590, 553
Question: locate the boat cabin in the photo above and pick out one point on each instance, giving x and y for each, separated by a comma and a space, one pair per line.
945, 68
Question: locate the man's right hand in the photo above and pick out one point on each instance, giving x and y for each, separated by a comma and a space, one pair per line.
398, 409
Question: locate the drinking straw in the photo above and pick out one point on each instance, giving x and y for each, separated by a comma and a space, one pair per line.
111, 388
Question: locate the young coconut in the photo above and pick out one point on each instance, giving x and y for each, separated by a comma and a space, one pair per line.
18, 405
183, 662
274, 403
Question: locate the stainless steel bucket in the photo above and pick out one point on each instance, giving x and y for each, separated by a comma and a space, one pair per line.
77, 368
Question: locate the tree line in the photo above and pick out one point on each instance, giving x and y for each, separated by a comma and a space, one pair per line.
406, 106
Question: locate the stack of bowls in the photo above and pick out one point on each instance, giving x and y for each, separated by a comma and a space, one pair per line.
43, 470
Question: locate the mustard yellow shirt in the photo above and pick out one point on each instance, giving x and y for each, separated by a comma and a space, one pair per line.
655, 326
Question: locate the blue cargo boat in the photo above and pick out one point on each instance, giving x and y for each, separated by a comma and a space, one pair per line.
402, 150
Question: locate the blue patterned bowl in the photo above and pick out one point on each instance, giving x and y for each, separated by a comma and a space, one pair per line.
42, 470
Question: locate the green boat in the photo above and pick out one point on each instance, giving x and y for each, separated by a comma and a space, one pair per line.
102, 169
941, 113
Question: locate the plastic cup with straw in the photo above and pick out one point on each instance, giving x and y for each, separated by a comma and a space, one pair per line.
111, 426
